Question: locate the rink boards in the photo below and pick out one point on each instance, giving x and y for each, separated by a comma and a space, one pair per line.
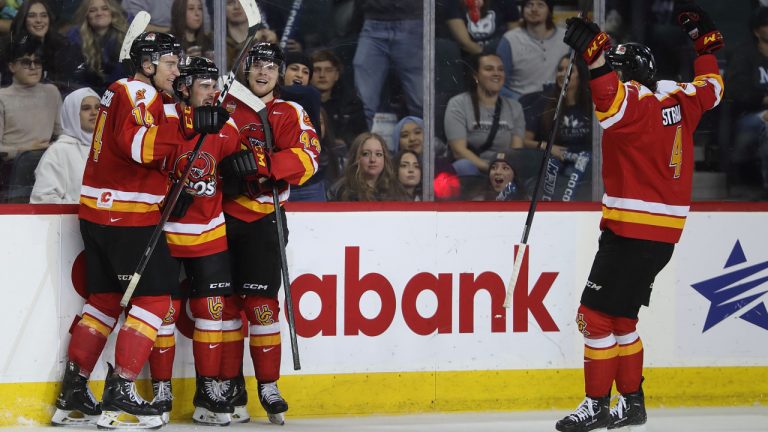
400, 311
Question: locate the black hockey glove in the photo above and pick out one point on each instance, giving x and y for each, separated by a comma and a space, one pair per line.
209, 119
586, 38
186, 197
247, 164
699, 27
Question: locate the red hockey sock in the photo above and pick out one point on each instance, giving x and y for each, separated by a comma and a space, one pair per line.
232, 348
138, 333
264, 328
630, 369
600, 351
90, 334
206, 340
164, 348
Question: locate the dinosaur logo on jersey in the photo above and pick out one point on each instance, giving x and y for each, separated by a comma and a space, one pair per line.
264, 315
251, 135
141, 94
738, 292
202, 176
169, 316
215, 307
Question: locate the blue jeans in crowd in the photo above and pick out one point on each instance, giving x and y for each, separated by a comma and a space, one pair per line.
752, 140
385, 44
308, 193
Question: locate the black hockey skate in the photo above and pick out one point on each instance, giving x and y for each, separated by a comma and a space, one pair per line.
591, 414
163, 398
211, 407
120, 397
234, 391
75, 397
629, 410
273, 402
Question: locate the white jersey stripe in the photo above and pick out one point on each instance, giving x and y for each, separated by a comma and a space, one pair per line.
117, 195
136, 145
645, 206
610, 121
186, 228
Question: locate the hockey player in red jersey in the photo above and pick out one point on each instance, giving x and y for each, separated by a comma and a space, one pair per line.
196, 234
647, 152
124, 185
251, 229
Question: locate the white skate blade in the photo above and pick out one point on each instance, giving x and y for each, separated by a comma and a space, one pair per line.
637, 428
64, 418
278, 419
241, 415
121, 420
208, 418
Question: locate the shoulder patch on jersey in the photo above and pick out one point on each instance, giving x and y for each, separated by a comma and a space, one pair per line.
139, 91
230, 106
141, 94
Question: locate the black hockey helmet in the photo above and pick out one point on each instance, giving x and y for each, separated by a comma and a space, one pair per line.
153, 45
635, 62
191, 68
264, 51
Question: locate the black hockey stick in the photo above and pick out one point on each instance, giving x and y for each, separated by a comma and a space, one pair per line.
523, 246
281, 243
254, 19
290, 23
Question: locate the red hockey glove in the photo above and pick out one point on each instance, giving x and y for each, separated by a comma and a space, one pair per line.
699, 27
586, 38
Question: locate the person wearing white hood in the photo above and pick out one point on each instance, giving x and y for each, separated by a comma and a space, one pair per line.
59, 174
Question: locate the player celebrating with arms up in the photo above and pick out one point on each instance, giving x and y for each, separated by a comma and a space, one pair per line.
647, 170
251, 220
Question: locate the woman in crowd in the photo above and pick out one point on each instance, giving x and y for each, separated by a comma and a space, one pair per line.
187, 24
59, 174
503, 182
99, 32
408, 135
368, 175
409, 173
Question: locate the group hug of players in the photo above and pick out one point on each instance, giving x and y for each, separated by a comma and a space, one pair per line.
222, 230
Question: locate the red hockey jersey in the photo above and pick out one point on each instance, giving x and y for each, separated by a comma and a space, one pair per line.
201, 231
293, 158
648, 150
123, 182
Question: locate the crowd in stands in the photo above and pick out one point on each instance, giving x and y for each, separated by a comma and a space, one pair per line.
356, 66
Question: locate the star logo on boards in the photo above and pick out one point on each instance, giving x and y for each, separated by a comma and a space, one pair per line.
738, 291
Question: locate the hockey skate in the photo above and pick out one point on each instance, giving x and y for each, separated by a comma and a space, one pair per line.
211, 407
120, 398
234, 391
163, 398
590, 415
629, 412
273, 403
75, 397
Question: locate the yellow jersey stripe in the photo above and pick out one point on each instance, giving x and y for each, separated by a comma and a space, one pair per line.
633, 348
95, 324
196, 239
643, 218
615, 106
165, 341
148, 149
232, 336
207, 336
266, 340
141, 327
601, 354
309, 167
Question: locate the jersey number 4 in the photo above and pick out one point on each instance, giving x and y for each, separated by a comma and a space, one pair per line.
676, 160
97, 135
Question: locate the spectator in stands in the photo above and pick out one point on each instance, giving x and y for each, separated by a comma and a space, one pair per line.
344, 107
390, 39
368, 175
8, 10
530, 53
477, 25
188, 25
237, 31
409, 173
98, 34
503, 182
408, 135
747, 78
159, 10
481, 122
59, 175
29, 109
34, 19
572, 150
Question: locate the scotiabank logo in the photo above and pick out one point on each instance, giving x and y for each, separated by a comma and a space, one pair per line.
527, 305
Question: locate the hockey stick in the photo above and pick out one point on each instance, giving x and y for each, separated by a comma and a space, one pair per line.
137, 27
281, 242
523, 246
254, 19
290, 23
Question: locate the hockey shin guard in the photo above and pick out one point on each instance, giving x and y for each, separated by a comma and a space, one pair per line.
231, 339
138, 333
206, 340
264, 326
601, 352
90, 334
164, 349
630, 372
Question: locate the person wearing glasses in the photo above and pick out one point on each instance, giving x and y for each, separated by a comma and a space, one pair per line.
20, 131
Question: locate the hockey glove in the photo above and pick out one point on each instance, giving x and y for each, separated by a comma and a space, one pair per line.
209, 119
183, 203
247, 164
699, 27
586, 38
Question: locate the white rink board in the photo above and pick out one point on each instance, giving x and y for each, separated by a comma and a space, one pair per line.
38, 251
